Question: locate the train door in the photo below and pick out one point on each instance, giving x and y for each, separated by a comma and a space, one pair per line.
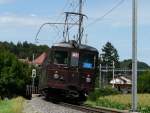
74, 70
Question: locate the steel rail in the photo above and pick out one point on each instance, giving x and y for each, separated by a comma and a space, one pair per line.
88, 109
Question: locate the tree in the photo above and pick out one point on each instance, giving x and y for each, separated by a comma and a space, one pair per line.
110, 55
14, 75
127, 64
24, 50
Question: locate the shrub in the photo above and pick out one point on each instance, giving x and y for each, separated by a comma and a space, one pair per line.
93, 96
143, 82
14, 75
145, 109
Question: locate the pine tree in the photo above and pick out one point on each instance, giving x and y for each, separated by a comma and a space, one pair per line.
109, 55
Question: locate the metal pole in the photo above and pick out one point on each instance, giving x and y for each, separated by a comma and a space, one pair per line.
100, 76
33, 81
134, 56
80, 21
33, 59
33, 62
106, 79
113, 72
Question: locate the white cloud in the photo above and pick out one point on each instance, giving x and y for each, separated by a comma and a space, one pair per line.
22, 21
33, 15
6, 1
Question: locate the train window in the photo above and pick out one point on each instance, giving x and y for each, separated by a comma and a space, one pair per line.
60, 57
74, 58
87, 61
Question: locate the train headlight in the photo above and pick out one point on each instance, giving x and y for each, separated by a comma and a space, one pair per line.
88, 80
56, 76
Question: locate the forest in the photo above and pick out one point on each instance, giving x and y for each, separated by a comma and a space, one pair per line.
24, 50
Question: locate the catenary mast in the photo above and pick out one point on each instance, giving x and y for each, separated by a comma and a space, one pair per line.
80, 21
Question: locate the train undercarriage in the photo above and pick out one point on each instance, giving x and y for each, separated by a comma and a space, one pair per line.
59, 95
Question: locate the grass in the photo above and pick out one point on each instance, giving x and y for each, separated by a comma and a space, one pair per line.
11, 106
122, 101
144, 99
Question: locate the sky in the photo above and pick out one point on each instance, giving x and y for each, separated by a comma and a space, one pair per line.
21, 19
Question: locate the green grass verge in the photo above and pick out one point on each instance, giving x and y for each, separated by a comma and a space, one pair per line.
11, 106
122, 102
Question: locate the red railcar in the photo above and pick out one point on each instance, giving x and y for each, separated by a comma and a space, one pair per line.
69, 71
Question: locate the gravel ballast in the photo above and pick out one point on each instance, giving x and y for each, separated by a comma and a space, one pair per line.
39, 105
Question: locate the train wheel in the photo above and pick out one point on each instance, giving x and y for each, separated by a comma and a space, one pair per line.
76, 97
74, 94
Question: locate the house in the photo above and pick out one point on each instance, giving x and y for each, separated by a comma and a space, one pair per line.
40, 59
122, 83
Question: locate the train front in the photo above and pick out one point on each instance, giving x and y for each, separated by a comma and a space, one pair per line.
71, 70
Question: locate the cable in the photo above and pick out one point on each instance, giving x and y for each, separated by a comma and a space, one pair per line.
62, 10
107, 13
36, 38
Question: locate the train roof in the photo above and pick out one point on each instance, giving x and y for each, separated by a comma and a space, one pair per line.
74, 45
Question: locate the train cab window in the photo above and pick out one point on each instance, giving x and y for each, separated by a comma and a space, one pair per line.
87, 61
60, 57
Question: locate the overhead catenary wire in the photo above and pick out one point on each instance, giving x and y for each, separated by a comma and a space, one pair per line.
107, 13
58, 18
67, 5
74, 8
62, 10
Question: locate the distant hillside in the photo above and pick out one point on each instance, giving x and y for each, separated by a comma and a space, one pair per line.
24, 50
128, 64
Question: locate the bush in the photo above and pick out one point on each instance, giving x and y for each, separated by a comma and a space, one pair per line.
93, 96
145, 109
14, 75
144, 82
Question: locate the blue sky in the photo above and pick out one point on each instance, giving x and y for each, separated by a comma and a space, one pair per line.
20, 20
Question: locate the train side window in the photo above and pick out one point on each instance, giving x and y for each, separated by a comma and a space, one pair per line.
74, 58
60, 57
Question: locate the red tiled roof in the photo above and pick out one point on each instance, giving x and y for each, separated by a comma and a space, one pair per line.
40, 59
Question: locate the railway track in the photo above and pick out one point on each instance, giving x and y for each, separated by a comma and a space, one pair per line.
88, 109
